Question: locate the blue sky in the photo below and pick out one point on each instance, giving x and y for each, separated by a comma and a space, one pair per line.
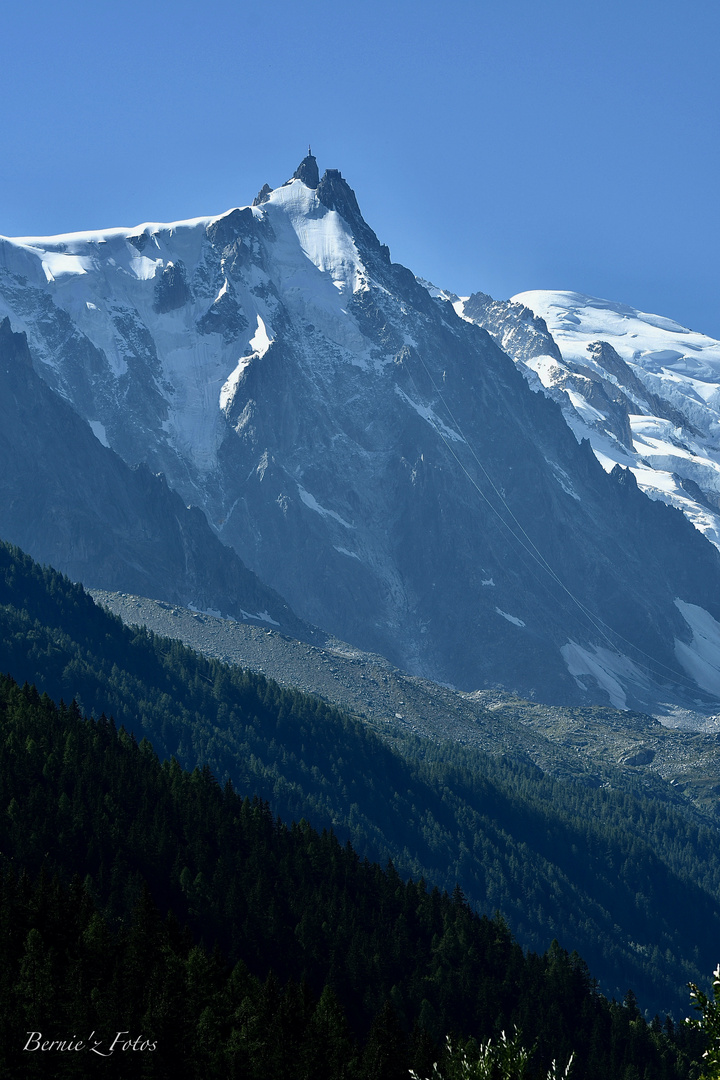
499, 147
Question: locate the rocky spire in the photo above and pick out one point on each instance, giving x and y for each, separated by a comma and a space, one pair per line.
263, 195
307, 171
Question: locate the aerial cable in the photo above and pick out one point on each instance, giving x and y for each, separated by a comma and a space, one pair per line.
528, 545
597, 623
539, 557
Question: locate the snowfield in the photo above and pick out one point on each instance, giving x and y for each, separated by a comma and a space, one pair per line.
668, 389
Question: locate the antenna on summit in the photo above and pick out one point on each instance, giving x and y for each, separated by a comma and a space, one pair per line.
307, 170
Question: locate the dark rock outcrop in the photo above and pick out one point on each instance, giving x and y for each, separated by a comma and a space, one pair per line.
224, 317
171, 289
516, 329
307, 171
263, 195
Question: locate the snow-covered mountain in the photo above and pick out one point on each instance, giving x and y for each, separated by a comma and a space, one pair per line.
643, 389
372, 456
75, 505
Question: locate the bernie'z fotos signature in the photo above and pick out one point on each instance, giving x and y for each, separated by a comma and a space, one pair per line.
122, 1041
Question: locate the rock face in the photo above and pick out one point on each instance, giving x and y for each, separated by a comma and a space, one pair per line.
171, 289
373, 457
517, 330
307, 171
263, 195
73, 503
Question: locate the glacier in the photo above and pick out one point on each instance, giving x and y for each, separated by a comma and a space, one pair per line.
663, 378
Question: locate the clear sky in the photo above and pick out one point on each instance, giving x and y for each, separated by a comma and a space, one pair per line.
499, 146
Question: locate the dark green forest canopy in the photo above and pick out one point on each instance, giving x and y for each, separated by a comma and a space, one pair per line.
138, 896
626, 880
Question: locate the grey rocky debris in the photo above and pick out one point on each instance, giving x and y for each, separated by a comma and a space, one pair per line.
674, 755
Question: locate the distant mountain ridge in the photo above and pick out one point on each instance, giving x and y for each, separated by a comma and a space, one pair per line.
643, 389
371, 456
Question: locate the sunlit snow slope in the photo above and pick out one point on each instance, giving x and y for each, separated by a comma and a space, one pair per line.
158, 316
657, 412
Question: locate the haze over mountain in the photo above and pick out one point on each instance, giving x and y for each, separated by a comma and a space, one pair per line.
372, 456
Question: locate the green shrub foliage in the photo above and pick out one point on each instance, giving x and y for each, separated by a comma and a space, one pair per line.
708, 1023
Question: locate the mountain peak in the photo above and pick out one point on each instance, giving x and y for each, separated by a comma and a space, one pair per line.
307, 171
263, 195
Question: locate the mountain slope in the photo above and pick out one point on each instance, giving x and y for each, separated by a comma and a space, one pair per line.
100, 841
643, 389
606, 869
675, 762
75, 504
373, 457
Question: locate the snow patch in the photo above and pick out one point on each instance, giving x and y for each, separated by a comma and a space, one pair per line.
98, 431
662, 356
56, 263
427, 414
510, 618
587, 411
312, 504
607, 668
701, 658
264, 616
665, 361
261, 616
344, 551
102, 236
143, 268
316, 265
564, 480
259, 344
206, 611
